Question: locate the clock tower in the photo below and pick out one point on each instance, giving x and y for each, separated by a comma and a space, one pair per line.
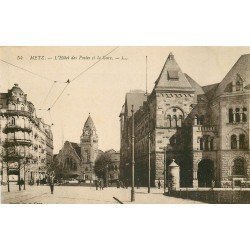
89, 148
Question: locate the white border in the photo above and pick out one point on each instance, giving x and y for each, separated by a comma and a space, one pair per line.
146, 23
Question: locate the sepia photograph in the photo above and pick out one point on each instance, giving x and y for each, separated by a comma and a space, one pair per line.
124, 125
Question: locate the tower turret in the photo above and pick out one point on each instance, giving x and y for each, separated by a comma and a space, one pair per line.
89, 147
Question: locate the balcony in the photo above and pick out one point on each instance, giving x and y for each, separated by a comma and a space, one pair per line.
15, 128
19, 113
204, 128
16, 142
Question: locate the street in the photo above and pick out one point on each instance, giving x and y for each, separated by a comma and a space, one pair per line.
85, 195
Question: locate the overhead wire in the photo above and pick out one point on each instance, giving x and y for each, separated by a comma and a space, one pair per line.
29, 71
85, 70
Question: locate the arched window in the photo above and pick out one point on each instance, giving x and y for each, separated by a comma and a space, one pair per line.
233, 142
242, 141
12, 121
244, 115
237, 115
174, 121
230, 115
201, 120
22, 107
212, 143
179, 122
238, 167
238, 86
201, 143
207, 143
169, 121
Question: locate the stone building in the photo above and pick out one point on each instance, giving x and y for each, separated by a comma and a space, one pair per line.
77, 160
204, 128
26, 142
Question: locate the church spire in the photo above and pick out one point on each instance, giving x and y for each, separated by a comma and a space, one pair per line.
89, 124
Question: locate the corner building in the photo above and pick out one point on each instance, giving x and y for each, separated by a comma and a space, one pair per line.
26, 142
204, 128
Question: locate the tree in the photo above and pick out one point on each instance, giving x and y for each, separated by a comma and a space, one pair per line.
101, 165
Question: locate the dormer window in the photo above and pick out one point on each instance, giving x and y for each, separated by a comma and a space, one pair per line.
173, 75
238, 86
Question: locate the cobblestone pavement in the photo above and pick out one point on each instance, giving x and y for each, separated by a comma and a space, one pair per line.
84, 195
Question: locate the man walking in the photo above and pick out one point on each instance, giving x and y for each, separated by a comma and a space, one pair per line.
51, 182
96, 184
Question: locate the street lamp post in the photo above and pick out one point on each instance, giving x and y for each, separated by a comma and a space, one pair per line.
24, 179
165, 169
19, 170
149, 158
133, 157
8, 178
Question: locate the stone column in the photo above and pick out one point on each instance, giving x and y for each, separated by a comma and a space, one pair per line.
174, 176
234, 116
241, 114
195, 180
208, 143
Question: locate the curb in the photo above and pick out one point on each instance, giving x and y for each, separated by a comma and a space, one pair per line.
118, 200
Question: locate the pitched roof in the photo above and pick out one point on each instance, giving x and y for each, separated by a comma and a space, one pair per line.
172, 78
76, 147
241, 68
89, 123
198, 89
136, 98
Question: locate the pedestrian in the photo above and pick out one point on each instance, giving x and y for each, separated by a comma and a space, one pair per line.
126, 184
213, 184
51, 182
159, 184
37, 182
101, 184
96, 184
138, 183
21, 182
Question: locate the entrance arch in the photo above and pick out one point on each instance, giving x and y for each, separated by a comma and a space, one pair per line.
205, 173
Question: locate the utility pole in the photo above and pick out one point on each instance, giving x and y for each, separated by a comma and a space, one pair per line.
149, 156
165, 169
19, 169
24, 177
8, 180
133, 157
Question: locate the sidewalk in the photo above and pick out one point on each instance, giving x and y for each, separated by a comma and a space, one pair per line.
154, 197
86, 195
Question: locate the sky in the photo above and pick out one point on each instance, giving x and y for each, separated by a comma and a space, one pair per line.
101, 89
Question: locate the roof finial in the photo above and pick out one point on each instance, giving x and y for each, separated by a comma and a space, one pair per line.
171, 56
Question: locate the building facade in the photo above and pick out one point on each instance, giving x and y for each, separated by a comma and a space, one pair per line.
77, 160
204, 128
26, 142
